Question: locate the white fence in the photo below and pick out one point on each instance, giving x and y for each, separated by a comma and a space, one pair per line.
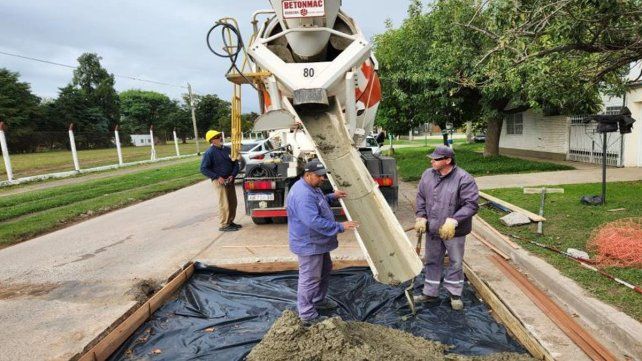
76, 163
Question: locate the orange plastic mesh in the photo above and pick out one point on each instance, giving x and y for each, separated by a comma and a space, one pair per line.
618, 243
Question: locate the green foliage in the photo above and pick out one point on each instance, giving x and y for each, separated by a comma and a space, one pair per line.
18, 110
142, 109
247, 121
90, 103
455, 63
212, 113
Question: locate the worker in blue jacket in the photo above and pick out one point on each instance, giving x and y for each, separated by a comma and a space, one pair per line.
312, 235
218, 165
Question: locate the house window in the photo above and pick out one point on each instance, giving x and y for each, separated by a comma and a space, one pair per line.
514, 123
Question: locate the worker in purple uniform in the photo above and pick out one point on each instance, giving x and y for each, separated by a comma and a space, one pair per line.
218, 165
313, 234
446, 203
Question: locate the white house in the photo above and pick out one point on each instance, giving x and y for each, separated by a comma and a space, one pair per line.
141, 140
532, 134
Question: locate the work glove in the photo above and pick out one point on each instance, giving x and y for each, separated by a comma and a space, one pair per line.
420, 225
447, 230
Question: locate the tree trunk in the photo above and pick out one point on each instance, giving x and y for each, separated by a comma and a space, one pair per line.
469, 132
445, 136
493, 132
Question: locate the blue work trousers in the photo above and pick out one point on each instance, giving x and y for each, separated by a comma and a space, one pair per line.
314, 278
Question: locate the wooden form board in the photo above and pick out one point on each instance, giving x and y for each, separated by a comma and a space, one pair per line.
507, 317
105, 347
532, 216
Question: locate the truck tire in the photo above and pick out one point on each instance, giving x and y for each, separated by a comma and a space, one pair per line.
279, 220
260, 220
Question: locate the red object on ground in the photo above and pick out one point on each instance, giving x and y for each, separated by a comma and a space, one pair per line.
618, 243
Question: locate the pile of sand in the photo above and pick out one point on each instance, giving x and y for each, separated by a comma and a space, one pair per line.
335, 339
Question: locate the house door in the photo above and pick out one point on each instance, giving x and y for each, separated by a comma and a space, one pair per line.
585, 144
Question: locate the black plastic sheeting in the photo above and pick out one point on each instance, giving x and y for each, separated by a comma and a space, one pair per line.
221, 314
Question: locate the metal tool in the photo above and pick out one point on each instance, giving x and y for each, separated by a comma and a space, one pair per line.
542, 191
409, 289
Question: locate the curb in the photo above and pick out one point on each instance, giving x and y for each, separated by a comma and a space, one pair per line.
623, 332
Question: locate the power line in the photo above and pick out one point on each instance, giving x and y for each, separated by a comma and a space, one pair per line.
74, 67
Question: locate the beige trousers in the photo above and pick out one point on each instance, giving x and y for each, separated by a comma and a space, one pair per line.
226, 202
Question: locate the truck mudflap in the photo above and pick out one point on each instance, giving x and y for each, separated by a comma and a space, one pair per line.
389, 252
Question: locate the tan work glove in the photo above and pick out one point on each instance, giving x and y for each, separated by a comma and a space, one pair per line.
420, 225
447, 230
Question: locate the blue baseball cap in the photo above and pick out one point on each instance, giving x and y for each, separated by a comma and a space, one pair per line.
315, 166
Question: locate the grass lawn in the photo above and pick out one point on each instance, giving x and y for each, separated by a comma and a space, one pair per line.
26, 215
30, 164
569, 225
422, 141
412, 162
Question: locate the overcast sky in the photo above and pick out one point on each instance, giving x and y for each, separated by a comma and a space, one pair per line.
160, 40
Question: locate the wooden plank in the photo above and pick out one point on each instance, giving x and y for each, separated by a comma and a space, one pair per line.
539, 190
259, 267
534, 217
105, 347
507, 317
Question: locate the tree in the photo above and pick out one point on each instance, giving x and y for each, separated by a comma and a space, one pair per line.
181, 120
19, 109
419, 76
247, 121
90, 103
212, 113
610, 30
439, 55
141, 109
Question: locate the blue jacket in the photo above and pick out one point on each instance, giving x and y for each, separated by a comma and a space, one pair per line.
217, 163
454, 196
311, 225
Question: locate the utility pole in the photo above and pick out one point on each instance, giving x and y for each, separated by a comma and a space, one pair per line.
191, 106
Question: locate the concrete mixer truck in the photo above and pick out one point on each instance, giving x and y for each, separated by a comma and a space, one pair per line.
318, 91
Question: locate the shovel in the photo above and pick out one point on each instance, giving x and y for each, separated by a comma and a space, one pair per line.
408, 291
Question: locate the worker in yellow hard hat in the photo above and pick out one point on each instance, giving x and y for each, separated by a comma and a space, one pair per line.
211, 134
218, 165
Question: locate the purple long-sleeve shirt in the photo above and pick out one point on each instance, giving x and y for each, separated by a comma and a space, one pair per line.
454, 196
311, 225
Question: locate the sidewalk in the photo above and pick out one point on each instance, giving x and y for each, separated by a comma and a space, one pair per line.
576, 176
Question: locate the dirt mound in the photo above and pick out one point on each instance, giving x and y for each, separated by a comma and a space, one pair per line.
335, 339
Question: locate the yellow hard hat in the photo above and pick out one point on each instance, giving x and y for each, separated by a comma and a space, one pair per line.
211, 134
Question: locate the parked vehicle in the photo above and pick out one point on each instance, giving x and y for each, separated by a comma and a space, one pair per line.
371, 143
479, 138
254, 151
